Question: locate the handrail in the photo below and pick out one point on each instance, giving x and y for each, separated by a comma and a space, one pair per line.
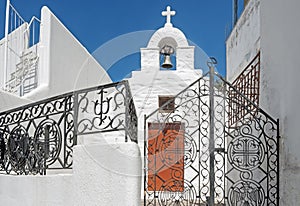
27, 30
34, 18
14, 9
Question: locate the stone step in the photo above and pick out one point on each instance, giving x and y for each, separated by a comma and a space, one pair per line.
181, 204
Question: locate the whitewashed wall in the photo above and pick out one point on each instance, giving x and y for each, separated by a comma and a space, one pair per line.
280, 93
65, 65
277, 26
106, 174
244, 41
10, 101
36, 190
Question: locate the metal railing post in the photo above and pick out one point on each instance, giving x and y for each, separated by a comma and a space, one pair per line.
6, 43
211, 134
46, 147
75, 109
145, 161
126, 112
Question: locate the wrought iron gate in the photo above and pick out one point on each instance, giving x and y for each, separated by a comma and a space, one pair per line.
230, 152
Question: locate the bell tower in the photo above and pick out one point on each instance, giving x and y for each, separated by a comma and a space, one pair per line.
155, 84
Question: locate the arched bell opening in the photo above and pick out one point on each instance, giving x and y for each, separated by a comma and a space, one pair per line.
167, 58
167, 49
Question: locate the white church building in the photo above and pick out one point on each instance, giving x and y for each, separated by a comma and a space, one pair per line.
168, 135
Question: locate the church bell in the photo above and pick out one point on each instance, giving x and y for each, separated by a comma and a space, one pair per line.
167, 64
167, 51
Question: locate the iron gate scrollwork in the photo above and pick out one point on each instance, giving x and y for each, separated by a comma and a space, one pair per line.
224, 162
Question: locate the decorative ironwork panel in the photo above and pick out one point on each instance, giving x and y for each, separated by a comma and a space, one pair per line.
253, 161
33, 136
251, 151
107, 108
247, 83
224, 163
41, 135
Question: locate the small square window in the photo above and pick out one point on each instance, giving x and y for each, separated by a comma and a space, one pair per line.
169, 107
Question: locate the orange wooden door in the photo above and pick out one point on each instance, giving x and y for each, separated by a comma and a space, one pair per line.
166, 157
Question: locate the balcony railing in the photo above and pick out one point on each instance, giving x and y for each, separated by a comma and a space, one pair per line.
41, 135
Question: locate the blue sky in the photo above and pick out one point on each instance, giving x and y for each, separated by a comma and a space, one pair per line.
96, 22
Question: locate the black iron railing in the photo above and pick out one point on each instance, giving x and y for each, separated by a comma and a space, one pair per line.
41, 135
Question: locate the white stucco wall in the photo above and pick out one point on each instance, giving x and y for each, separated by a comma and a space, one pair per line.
51, 190
65, 65
279, 44
10, 101
185, 58
150, 59
280, 93
244, 41
106, 174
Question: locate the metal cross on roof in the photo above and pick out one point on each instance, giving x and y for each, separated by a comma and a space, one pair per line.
168, 14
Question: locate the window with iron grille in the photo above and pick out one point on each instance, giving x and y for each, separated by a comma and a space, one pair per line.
247, 84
